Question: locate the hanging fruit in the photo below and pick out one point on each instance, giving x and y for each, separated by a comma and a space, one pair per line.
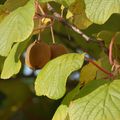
57, 50
37, 55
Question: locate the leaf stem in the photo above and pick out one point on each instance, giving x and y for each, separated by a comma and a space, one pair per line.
53, 38
99, 67
111, 50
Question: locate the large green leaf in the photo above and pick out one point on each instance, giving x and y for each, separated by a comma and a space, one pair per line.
16, 27
12, 63
51, 80
101, 103
98, 11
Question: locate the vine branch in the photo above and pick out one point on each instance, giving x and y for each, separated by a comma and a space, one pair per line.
110, 50
99, 67
58, 17
61, 19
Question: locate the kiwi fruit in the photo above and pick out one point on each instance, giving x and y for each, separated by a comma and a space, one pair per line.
37, 55
57, 50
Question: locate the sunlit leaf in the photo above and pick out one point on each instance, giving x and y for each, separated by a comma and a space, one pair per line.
88, 73
98, 11
16, 27
61, 113
12, 63
11, 66
51, 81
101, 103
69, 14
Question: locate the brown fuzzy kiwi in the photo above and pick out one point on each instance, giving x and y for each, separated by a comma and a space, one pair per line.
57, 50
37, 55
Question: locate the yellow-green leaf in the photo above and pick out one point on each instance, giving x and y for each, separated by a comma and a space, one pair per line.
12, 63
101, 103
88, 73
61, 113
11, 66
51, 81
99, 11
16, 27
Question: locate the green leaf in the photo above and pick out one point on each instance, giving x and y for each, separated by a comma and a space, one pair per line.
12, 63
2, 13
11, 5
2, 59
61, 113
66, 2
69, 14
16, 27
42, 1
101, 103
106, 36
104, 61
51, 80
11, 66
99, 11
88, 73
79, 17
70, 96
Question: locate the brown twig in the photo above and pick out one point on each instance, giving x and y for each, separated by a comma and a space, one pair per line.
57, 16
99, 67
43, 27
61, 19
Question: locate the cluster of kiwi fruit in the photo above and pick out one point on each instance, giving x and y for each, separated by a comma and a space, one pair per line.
39, 53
